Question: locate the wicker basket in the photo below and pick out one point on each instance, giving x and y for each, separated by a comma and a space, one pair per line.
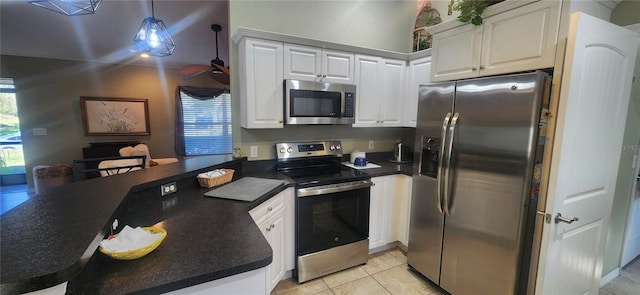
137, 253
216, 181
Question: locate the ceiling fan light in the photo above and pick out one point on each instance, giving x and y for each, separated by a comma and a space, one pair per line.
153, 38
69, 7
218, 62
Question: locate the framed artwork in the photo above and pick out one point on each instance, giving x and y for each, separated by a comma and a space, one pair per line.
115, 116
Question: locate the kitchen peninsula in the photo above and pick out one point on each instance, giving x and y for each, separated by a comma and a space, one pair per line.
53, 237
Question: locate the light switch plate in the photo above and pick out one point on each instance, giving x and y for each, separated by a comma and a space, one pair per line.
254, 151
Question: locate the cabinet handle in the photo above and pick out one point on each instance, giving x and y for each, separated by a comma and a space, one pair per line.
481, 67
318, 75
474, 69
270, 227
269, 209
273, 225
279, 121
324, 76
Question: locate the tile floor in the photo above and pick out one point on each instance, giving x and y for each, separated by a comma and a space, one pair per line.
627, 283
385, 273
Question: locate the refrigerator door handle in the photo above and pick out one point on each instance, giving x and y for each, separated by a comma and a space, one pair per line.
441, 161
447, 170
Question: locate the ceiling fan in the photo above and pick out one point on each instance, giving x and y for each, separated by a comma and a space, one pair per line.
217, 71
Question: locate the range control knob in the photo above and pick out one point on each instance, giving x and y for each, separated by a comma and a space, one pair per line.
333, 147
282, 150
290, 150
338, 147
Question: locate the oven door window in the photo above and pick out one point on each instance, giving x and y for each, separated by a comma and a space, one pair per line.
309, 103
330, 220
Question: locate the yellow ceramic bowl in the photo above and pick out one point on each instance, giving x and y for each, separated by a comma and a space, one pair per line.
137, 253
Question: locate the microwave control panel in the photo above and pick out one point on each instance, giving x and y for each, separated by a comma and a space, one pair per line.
349, 104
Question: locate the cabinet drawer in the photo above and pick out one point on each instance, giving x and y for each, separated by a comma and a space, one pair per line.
268, 208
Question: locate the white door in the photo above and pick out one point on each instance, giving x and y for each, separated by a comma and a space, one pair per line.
594, 96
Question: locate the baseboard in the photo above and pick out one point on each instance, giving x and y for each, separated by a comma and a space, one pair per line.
609, 277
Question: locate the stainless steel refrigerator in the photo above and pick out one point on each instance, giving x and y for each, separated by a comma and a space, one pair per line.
474, 194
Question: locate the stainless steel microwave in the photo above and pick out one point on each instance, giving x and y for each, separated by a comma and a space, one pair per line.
319, 103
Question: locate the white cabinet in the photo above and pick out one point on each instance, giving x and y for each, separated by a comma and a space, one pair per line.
389, 210
261, 73
419, 73
275, 219
402, 210
380, 91
319, 65
516, 40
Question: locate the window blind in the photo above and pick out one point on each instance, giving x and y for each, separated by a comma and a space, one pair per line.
206, 124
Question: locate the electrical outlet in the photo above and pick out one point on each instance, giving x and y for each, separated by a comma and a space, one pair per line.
168, 188
370, 144
254, 151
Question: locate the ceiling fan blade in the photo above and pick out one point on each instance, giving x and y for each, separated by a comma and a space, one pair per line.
222, 78
191, 71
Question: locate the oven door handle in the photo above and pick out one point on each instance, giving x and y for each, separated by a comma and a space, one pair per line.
333, 188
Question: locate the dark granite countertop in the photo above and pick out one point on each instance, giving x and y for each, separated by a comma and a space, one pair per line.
53, 237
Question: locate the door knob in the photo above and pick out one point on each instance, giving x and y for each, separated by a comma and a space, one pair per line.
559, 218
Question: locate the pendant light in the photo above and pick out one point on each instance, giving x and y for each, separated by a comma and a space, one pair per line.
69, 7
153, 38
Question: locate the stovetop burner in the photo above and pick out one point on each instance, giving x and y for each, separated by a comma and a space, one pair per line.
315, 163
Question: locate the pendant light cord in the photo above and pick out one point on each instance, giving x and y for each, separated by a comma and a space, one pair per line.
152, 12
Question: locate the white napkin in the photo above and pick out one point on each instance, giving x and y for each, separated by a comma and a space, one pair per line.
214, 173
130, 239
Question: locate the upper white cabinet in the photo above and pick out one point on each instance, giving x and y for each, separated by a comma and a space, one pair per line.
319, 65
261, 76
515, 40
380, 89
419, 72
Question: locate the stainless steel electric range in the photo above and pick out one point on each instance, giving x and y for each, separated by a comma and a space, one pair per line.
332, 208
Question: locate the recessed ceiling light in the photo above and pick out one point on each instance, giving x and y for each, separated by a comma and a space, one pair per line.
145, 55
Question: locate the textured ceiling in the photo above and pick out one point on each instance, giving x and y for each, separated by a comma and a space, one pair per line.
107, 36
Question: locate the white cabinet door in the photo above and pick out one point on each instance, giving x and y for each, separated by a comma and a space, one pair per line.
302, 62
275, 218
535, 26
261, 70
456, 53
337, 67
419, 73
402, 209
273, 230
392, 100
381, 211
368, 90
314, 64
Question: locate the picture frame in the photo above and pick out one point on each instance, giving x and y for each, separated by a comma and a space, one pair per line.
115, 116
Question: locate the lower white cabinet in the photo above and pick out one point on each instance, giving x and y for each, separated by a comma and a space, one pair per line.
275, 219
389, 210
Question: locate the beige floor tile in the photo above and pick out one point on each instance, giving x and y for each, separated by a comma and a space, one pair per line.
344, 276
381, 262
398, 254
622, 286
399, 280
325, 292
291, 287
366, 285
632, 271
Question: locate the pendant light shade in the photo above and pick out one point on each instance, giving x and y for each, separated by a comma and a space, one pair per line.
153, 38
69, 7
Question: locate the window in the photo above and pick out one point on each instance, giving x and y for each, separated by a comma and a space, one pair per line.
205, 123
